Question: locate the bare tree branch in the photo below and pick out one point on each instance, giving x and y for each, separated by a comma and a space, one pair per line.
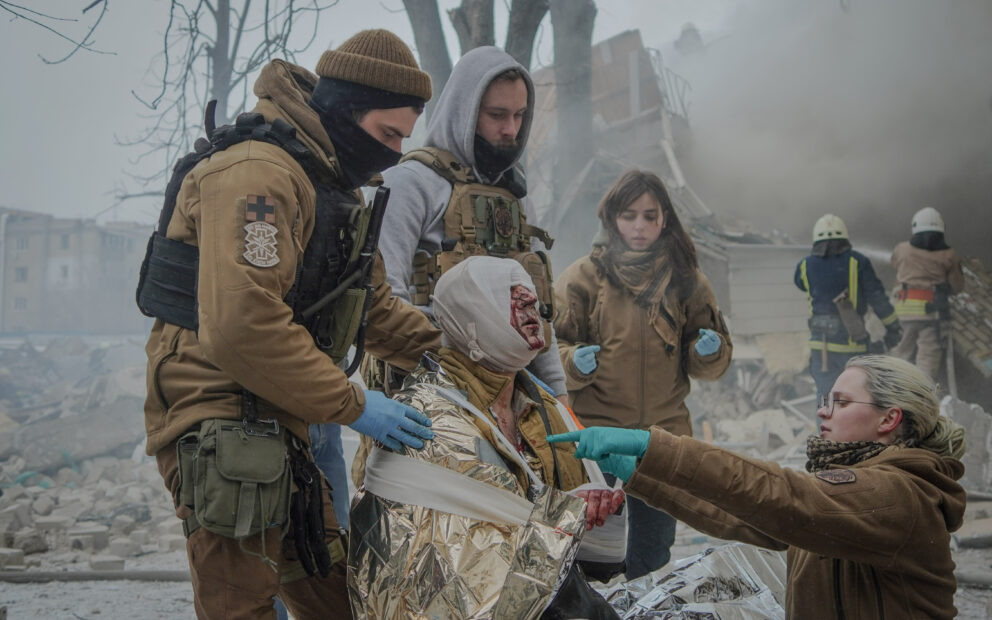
521, 30
211, 49
473, 22
36, 17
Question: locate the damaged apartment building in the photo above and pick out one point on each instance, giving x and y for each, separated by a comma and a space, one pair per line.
68, 275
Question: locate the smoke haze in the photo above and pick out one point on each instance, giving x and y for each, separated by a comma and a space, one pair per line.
800, 108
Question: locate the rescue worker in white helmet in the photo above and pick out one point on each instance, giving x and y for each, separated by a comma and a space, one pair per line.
841, 285
927, 272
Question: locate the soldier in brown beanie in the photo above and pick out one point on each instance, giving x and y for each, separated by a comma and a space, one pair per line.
233, 390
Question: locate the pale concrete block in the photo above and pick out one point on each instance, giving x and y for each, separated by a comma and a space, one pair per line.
11, 557
106, 562
977, 533
170, 526
171, 542
71, 510
67, 477
43, 505
30, 540
91, 537
134, 494
53, 523
140, 537
123, 547
10, 495
16, 516
122, 524
978, 448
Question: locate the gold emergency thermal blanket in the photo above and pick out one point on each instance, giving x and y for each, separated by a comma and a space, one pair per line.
411, 561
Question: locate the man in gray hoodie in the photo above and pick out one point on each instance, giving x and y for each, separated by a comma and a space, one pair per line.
462, 193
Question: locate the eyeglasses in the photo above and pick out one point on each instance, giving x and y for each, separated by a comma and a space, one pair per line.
828, 401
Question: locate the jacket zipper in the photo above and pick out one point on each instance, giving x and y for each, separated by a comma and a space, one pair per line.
838, 604
640, 402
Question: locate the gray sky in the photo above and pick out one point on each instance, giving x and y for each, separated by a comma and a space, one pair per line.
798, 107
59, 155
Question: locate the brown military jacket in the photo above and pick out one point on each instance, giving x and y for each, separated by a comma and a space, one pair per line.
644, 365
246, 336
868, 541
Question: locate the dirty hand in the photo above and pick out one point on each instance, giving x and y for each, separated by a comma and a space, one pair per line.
392, 423
893, 334
599, 442
601, 503
620, 465
584, 358
708, 342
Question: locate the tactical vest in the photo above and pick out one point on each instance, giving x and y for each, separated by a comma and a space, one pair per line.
168, 277
481, 220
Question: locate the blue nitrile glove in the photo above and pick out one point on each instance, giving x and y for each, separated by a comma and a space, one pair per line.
599, 442
620, 465
708, 342
392, 423
584, 358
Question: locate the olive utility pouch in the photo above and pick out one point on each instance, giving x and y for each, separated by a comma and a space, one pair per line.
241, 482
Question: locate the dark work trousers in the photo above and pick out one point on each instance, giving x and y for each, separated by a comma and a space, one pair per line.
230, 583
650, 536
835, 365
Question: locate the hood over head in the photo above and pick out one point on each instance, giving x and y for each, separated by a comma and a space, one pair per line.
938, 474
453, 122
472, 306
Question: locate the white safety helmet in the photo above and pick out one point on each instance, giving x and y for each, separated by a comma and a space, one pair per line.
829, 227
928, 219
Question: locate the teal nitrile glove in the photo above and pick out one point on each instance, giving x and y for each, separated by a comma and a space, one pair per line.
620, 465
392, 423
584, 358
708, 342
599, 442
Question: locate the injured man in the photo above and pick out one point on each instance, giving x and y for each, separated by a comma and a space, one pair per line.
487, 519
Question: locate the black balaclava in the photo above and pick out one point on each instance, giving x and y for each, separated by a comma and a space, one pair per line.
831, 247
359, 154
491, 161
931, 240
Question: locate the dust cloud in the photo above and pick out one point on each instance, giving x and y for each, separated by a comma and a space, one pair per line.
800, 108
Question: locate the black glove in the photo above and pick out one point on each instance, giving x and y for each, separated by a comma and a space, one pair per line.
893, 334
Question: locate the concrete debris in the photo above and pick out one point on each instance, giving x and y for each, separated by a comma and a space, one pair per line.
978, 451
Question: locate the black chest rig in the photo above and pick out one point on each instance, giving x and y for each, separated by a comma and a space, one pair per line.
331, 292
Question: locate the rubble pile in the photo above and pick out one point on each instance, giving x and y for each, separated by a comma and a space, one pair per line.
98, 513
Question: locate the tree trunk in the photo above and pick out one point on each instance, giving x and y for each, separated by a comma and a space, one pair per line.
223, 65
572, 21
473, 22
525, 17
428, 36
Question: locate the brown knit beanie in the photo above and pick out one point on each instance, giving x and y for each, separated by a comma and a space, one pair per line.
376, 58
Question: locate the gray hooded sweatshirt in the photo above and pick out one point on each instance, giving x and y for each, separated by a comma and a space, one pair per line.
419, 196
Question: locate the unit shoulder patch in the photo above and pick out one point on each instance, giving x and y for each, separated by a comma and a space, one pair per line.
260, 209
836, 476
260, 244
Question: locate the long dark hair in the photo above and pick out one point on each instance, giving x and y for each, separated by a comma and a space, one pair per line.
673, 241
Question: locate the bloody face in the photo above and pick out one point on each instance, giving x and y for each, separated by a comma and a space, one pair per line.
525, 318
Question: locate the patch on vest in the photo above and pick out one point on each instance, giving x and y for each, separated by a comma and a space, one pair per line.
503, 220
260, 244
836, 476
260, 209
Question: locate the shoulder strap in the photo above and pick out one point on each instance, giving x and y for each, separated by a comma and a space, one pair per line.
442, 162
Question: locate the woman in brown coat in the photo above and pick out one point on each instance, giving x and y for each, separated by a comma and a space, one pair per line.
637, 319
867, 530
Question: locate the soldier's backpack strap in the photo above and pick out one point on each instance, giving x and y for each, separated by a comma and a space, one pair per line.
167, 279
443, 163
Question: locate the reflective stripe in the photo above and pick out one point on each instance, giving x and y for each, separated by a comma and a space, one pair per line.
889, 320
852, 281
835, 347
809, 292
911, 307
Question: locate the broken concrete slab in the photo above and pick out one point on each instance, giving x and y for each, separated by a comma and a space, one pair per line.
978, 449
975, 534
11, 557
106, 562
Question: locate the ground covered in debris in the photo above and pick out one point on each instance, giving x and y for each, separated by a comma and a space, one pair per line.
79, 496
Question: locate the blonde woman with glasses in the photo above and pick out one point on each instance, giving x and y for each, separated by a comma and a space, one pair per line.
867, 530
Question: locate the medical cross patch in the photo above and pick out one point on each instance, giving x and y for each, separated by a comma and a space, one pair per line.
836, 476
260, 244
260, 209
